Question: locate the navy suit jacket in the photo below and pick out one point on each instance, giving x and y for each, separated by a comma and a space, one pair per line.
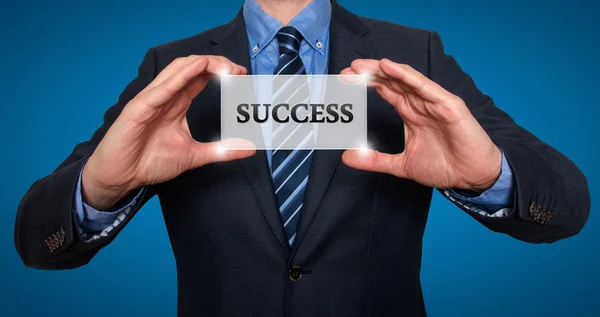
358, 245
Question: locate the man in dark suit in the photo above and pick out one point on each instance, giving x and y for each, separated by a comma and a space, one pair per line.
351, 245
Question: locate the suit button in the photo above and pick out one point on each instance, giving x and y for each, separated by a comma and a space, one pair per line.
532, 207
295, 273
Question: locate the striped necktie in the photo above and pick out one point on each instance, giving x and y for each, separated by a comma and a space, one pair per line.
290, 166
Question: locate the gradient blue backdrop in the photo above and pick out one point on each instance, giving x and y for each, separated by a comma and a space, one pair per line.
64, 62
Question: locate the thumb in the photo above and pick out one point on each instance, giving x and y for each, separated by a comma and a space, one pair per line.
222, 151
374, 161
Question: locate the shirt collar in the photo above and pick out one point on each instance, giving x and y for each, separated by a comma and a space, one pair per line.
312, 22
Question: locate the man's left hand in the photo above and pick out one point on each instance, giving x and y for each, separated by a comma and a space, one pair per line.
445, 147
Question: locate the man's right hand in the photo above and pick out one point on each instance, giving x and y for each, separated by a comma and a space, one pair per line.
150, 141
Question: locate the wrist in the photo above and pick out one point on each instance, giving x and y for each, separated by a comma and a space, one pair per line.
490, 176
98, 194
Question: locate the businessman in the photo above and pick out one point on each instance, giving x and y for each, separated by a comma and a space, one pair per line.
343, 236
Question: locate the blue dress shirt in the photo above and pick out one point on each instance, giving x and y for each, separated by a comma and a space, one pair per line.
313, 22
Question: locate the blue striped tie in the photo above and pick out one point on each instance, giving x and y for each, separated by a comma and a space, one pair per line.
290, 167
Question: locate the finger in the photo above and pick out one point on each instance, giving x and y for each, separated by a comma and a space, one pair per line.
177, 64
376, 76
395, 86
197, 85
347, 71
222, 151
372, 80
173, 85
347, 76
218, 66
236, 69
227, 66
379, 73
422, 85
374, 161
240, 70
367, 66
351, 78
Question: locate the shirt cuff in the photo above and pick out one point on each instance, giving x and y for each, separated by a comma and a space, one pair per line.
499, 197
92, 221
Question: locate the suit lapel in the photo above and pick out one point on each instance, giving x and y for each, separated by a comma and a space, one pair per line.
346, 43
233, 44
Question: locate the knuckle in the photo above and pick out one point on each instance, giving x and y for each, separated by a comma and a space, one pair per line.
215, 58
454, 100
421, 83
169, 89
450, 112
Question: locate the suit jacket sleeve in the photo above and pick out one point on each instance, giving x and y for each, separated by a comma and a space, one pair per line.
552, 199
45, 229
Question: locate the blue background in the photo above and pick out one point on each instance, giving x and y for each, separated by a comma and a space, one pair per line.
64, 62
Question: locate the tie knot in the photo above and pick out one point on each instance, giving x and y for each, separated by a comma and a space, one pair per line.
289, 39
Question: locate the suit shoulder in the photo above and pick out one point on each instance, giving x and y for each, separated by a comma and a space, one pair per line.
397, 34
387, 27
193, 45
